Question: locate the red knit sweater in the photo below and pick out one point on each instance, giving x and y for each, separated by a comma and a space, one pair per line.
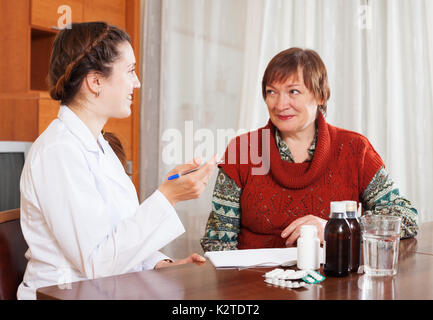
343, 165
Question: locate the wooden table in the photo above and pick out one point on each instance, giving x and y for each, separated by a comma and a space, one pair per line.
414, 280
424, 239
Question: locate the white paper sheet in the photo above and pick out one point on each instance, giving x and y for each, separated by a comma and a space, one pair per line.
254, 257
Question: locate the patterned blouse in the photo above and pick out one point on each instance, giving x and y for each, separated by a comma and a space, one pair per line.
381, 196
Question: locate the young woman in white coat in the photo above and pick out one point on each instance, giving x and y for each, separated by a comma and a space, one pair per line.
80, 214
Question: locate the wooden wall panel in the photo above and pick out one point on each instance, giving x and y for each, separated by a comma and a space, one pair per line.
112, 12
17, 120
41, 46
48, 110
14, 45
44, 12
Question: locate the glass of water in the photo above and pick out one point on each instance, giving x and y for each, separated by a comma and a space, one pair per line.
381, 238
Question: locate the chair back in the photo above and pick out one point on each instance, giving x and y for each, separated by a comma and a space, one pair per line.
12, 249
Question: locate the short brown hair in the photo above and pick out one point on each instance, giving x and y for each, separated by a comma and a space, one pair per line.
287, 62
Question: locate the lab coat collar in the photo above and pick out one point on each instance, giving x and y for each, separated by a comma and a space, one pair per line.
78, 128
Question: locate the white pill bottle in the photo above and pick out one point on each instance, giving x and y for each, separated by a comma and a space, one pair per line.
308, 248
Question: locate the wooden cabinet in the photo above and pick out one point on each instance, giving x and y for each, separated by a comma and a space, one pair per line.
47, 13
47, 111
24, 118
18, 120
113, 11
41, 43
14, 46
29, 29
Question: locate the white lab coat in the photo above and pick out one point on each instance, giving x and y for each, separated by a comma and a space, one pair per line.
80, 213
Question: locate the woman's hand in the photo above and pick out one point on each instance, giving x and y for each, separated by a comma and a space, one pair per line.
189, 186
292, 232
193, 258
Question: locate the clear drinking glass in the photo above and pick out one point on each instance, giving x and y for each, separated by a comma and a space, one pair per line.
381, 238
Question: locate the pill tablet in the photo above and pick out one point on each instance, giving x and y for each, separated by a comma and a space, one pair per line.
315, 275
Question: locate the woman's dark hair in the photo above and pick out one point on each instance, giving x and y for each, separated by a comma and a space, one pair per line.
85, 47
289, 61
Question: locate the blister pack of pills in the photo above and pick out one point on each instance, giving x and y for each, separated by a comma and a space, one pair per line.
286, 283
284, 278
313, 277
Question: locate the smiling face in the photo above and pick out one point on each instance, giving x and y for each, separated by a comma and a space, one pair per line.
117, 90
292, 106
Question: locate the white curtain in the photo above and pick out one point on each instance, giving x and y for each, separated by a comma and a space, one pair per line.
201, 79
379, 57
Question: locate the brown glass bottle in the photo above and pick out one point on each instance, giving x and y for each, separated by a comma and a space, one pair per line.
355, 231
337, 242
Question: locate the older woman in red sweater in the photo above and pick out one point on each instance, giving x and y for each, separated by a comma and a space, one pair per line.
311, 163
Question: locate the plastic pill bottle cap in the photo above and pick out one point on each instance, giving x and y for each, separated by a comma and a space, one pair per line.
350, 206
308, 231
338, 207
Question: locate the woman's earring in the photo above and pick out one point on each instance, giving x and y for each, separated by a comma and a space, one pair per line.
98, 93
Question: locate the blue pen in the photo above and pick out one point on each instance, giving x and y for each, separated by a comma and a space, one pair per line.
178, 175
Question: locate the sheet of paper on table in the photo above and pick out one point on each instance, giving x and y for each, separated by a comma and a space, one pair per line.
269, 257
